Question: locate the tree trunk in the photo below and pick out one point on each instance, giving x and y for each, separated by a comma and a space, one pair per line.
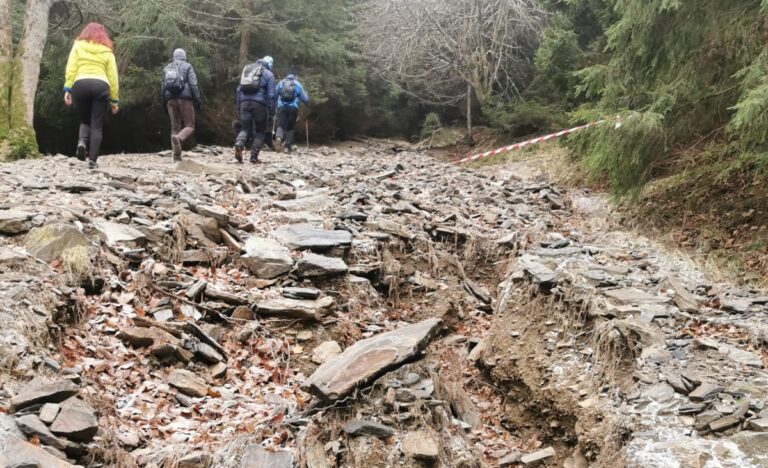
30, 52
245, 44
245, 34
469, 113
6, 59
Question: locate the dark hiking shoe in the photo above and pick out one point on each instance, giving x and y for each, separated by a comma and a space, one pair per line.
239, 152
176, 146
81, 151
255, 159
92, 164
288, 150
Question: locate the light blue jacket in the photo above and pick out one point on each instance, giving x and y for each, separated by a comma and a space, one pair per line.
301, 93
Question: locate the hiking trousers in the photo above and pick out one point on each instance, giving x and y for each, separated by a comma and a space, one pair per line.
287, 123
91, 98
182, 113
253, 124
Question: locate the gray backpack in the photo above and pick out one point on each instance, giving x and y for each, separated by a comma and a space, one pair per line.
250, 80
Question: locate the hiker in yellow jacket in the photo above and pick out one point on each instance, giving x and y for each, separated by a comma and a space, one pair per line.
91, 82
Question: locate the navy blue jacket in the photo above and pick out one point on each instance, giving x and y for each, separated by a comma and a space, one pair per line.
266, 94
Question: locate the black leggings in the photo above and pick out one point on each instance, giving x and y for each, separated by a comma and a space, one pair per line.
91, 101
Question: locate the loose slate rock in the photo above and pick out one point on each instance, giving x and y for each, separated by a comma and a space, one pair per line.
296, 308
684, 300
370, 358
635, 296
301, 293
537, 456
50, 242
540, 272
266, 258
76, 421
37, 391
324, 351
21, 454
14, 222
256, 456
188, 383
115, 233
309, 237
314, 265
308, 204
704, 392
359, 427
420, 445
32, 426
48, 412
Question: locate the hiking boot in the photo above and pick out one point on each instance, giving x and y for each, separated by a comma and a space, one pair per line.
255, 158
92, 164
278, 142
176, 146
239, 152
81, 151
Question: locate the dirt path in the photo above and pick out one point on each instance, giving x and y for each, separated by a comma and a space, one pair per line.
486, 319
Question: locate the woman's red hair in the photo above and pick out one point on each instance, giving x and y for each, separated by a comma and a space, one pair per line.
97, 33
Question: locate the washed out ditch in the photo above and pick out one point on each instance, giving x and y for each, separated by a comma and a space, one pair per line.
365, 305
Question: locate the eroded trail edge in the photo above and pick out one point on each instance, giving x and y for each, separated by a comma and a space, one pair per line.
359, 306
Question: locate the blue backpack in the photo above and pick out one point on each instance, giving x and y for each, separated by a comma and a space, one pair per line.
288, 93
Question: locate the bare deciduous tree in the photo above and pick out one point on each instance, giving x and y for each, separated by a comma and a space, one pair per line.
444, 50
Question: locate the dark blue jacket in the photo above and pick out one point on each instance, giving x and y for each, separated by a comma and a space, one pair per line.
266, 94
191, 89
301, 94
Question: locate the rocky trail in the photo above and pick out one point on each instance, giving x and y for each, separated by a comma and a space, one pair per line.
365, 305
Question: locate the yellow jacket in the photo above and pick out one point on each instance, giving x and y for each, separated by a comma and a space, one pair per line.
89, 60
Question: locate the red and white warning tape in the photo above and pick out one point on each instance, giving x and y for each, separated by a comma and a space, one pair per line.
534, 141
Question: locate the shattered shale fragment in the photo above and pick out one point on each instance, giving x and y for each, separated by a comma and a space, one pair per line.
369, 358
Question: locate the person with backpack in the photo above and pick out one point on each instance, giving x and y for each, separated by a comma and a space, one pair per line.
256, 102
181, 98
291, 94
91, 83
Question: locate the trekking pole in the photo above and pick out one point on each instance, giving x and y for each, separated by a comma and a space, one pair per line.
306, 130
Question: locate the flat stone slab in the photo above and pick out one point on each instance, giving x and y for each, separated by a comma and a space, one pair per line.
301, 293
308, 204
37, 391
32, 426
256, 456
266, 258
296, 308
14, 222
115, 233
635, 296
76, 421
309, 237
684, 300
370, 358
540, 272
297, 217
314, 265
537, 456
188, 383
360, 427
20, 453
